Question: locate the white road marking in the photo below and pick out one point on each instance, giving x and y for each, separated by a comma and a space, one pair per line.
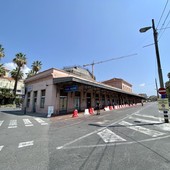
113, 144
42, 122
100, 123
27, 122
1, 121
144, 130
144, 120
12, 124
109, 136
1, 147
96, 131
149, 116
165, 127
24, 144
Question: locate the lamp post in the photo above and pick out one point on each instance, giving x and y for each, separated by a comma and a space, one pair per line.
155, 35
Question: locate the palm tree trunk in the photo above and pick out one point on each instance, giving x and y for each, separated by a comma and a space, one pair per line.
16, 82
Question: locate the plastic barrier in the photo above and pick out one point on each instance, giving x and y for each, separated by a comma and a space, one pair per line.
116, 107
86, 112
111, 107
75, 113
91, 110
106, 108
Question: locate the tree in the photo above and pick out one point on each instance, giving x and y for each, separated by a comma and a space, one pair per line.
14, 75
167, 85
36, 66
168, 76
20, 60
2, 70
6, 96
30, 73
2, 54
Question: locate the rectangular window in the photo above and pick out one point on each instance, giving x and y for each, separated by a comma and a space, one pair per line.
42, 101
28, 99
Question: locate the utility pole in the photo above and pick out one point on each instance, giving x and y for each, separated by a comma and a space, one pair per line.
155, 34
156, 88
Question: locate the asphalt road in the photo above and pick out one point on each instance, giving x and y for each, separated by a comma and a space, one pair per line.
133, 138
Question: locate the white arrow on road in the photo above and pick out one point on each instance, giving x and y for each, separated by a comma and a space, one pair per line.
109, 136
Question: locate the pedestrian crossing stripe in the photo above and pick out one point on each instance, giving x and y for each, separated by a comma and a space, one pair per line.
109, 136
27, 122
41, 121
144, 120
152, 133
24, 144
1, 121
158, 124
12, 124
148, 116
1, 147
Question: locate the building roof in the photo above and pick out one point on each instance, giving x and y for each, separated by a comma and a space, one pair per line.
66, 77
117, 79
7, 78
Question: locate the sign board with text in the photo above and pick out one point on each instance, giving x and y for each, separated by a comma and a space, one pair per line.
50, 111
163, 104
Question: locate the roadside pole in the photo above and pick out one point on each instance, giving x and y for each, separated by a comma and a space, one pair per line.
163, 104
163, 95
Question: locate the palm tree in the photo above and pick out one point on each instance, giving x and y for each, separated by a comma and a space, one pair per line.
20, 60
1, 52
30, 73
36, 66
14, 73
168, 76
2, 70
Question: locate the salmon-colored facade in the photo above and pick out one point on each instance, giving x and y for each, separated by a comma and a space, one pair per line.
66, 91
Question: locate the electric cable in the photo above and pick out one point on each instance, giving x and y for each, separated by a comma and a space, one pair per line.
162, 13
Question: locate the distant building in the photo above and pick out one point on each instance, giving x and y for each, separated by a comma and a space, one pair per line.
143, 95
119, 83
79, 71
8, 82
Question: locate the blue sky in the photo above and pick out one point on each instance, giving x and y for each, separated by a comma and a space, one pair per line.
76, 32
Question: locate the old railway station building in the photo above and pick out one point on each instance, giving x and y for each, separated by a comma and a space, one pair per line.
74, 88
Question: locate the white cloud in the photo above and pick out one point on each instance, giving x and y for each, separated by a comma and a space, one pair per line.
11, 66
142, 85
26, 69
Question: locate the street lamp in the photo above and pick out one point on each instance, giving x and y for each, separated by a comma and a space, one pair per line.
155, 35
144, 29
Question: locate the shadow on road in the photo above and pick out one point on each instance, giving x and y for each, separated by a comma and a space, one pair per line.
19, 112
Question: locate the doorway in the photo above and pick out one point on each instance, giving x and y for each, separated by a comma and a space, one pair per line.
88, 100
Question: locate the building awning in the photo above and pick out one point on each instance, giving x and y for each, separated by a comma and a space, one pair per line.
91, 83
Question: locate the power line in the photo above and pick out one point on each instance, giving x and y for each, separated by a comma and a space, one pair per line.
116, 58
164, 29
165, 19
99, 62
162, 13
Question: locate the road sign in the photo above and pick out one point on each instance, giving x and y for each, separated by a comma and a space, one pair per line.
162, 91
163, 104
